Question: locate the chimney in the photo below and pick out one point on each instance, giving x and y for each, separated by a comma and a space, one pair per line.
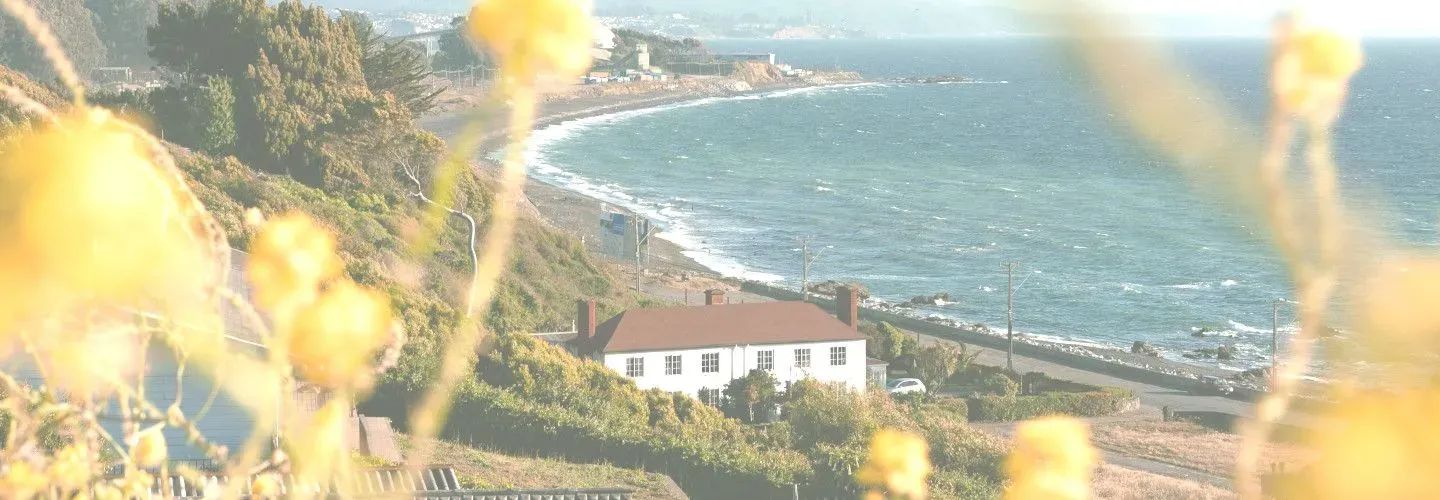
585, 321
846, 306
714, 296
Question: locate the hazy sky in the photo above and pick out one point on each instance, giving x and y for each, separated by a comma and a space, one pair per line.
1365, 17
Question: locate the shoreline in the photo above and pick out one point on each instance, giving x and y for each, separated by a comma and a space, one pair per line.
672, 275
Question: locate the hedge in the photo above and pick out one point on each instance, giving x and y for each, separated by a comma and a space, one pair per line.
1103, 402
733, 470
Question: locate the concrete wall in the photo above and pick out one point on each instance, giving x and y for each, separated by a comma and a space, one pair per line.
736, 361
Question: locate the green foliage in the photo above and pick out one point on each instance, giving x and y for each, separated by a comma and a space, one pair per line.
757, 390
885, 342
532, 397
937, 362
302, 106
998, 384
70, 21
11, 118
396, 69
121, 26
457, 51
1099, 403
198, 116
663, 50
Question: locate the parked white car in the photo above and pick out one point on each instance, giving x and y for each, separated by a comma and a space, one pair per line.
905, 386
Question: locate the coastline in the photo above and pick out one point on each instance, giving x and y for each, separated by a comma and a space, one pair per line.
669, 273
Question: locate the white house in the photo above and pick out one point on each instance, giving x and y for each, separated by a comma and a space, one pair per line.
693, 348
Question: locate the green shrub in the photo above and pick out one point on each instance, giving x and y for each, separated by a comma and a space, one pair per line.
1106, 401
999, 384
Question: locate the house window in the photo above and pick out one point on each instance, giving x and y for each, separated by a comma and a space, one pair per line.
802, 358
635, 367
710, 362
765, 360
837, 356
672, 365
710, 396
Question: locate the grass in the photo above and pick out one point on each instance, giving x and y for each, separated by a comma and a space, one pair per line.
480, 469
1186, 444
1114, 482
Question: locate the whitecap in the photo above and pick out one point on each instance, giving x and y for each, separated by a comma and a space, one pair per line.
823, 189
1229, 283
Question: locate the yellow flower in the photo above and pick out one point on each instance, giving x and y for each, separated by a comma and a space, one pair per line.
1311, 67
1400, 306
319, 446
264, 486
535, 37
898, 463
90, 364
1378, 446
136, 483
148, 449
90, 217
1051, 459
335, 339
21, 480
289, 260
107, 492
72, 468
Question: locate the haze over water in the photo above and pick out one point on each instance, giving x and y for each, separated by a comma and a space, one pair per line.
919, 189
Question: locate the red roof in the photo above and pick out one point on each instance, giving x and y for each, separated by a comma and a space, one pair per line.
720, 325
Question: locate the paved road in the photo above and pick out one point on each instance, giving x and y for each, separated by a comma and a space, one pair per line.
1150, 395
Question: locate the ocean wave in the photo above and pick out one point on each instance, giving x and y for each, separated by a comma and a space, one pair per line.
823, 189
673, 222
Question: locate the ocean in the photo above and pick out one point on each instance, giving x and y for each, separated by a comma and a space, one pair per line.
917, 189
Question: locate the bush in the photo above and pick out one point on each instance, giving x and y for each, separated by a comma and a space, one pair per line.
1106, 401
999, 384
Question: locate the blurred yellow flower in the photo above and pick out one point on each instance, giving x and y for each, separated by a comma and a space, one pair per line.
135, 483
90, 364
148, 449
1400, 306
1378, 446
289, 260
90, 218
21, 480
1051, 459
335, 340
71, 469
898, 463
264, 486
1311, 67
319, 449
535, 37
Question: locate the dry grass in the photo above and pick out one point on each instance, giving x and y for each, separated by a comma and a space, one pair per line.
1114, 482
489, 470
1185, 444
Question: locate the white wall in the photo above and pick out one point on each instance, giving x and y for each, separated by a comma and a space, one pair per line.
736, 361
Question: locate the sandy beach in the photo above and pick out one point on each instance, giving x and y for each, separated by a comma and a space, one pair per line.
669, 275
668, 270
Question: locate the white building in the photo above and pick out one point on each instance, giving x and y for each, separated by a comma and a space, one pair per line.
694, 348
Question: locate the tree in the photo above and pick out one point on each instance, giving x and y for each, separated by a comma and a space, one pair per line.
457, 51
121, 26
73, 26
936, 363
756, 389
197, 115
398, 69
302, 106
884, 341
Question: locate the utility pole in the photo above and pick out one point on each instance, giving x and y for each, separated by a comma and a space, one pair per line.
642, 234
806, 259
1010, 315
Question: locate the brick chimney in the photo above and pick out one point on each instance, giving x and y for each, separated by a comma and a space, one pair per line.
714, 296
846, 306
585, 321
